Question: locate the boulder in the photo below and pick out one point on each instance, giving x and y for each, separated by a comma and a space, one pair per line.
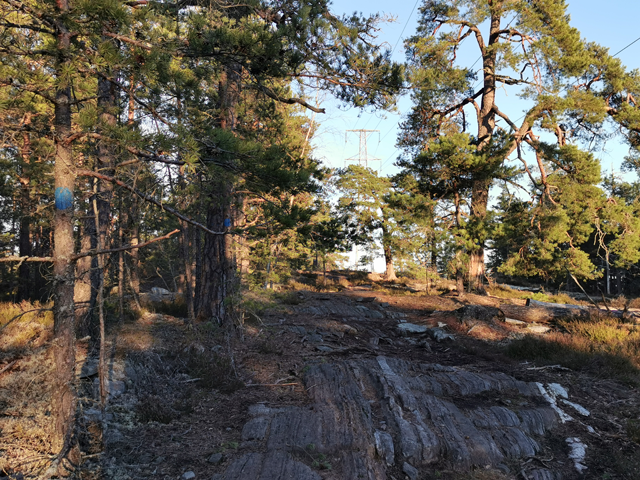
411, 329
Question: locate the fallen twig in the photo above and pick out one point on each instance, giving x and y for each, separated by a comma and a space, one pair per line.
24, 313
272, 384
559, 367
7, 367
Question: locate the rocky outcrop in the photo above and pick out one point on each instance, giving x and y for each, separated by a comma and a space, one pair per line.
370, 417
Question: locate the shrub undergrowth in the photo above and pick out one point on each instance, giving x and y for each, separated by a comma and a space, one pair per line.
503, 291
604, 347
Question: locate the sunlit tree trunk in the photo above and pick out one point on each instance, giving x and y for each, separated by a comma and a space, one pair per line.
63, 344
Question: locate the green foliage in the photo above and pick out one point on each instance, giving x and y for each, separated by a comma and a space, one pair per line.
390, 211
573, 213
571, 86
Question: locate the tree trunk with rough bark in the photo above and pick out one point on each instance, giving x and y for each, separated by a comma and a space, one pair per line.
186, 247
482, 181
241, 246
63, 344
134, 270
85, 301
219, 273
218, 267
479, 202
390, 273
25, 288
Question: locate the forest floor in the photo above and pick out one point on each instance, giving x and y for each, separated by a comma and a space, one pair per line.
325, 385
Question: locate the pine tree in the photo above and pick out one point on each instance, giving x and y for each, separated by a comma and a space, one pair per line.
571, 87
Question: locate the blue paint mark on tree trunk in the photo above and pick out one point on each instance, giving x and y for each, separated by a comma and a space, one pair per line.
64, 198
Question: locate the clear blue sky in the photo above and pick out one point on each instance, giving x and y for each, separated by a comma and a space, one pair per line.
612, 23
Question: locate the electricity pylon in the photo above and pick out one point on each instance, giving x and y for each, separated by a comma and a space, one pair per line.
362, 158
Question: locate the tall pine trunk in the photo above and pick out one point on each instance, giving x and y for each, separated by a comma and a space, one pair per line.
85, 301
219, 272
63, 344
479, 202
186, 248
482, 179
134, 256
25, 288
390, 273
218, 266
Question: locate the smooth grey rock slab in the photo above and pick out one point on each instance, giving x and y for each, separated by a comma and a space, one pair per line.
539, 329
384, 447
341, 310
314, 338
513, 321
439, 335
270, 466
255, 429
411, 329
543, 474
216, 459
367, 415
300, 330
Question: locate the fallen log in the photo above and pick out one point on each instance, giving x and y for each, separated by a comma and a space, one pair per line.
549, 312
542, 314
592, 310
537, 303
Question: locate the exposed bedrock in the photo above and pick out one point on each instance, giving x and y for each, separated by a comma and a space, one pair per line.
368, 417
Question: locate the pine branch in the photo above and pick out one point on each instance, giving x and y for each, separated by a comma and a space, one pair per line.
289, 101
107, 178
93, 253
14, 258
130, 41
22, 7
33, 28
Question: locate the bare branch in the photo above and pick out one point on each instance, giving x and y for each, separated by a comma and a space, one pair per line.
289, 101
24, 313
93, 253
14, 258
89, 173
130, 41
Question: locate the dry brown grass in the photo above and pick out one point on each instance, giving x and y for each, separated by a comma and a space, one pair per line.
25, 418
24, 326
503, 291
605, 348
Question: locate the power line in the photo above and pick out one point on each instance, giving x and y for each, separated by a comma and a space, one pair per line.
363, 157
574, 82
385, 162
405, 26
392, 52
620, 51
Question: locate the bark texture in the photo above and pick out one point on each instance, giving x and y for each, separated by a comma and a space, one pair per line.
486, 127
218, 266
63, 345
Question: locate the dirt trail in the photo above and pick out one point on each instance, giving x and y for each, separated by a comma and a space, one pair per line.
329, 387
